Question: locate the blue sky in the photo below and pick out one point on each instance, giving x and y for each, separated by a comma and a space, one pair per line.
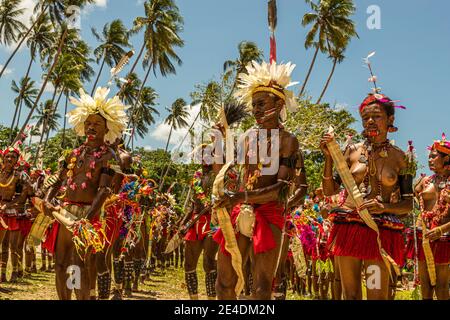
411, 62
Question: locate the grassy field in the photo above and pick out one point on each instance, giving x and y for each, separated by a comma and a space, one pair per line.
163, 285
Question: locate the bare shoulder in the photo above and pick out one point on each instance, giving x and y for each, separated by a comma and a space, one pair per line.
400, 155
289, 143
110, 154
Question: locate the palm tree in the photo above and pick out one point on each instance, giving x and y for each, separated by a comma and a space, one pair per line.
142, 116
162, 23
26, 93
113, 38
330, 25
338, 56
40, 39
10, 24
176, 118
209, 98
248, 51
57, 10
47, 120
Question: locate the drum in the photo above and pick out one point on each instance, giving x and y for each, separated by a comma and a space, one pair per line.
40, 225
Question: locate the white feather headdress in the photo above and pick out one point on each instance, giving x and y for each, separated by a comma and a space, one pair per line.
273, 78
113, 110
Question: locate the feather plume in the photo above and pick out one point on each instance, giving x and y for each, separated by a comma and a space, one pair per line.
111, 109
122, 63
267, 75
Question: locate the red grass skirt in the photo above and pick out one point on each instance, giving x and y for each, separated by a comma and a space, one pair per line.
114, 222
196, 232
265, 215
440, 249
322, 253
25, 226
50, 237
359, 241
11, 222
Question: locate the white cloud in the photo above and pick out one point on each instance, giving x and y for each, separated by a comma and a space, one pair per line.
101, 3
162, 130
7, 71
341, 106
148, 148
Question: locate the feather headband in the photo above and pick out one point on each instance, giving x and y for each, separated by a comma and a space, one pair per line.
273, 78
112, 110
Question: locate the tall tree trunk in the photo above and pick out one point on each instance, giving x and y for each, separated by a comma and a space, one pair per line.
64, 123
98, 76
328, 81
138, 97
18, 115
21, 100
38, 149
168, 139
13, 122
179, 146
309, 71
45, 129
22, 40
19, 105
38, 98
52, 114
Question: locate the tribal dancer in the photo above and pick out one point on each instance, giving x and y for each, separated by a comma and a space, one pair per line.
13, 193
264, 90
298, 193
112, 220
198, 238
434, 197
87, 173
381, 170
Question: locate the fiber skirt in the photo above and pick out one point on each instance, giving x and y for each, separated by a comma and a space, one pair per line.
359, 241
440, 249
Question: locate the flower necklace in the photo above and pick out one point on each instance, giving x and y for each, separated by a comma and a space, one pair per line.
441, 207
75, 161
198, 189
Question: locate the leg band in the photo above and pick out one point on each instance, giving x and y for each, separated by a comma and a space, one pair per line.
104, 285
192, 282
210, 280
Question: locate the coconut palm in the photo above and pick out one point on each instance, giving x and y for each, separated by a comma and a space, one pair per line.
248, 51
26, 93
331, 26
112, 40
10, 24
143, 114
209, 98
57, 10
46, 119
176, 118
162, 23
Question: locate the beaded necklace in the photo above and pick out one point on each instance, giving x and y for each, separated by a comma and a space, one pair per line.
75, 161
368, 158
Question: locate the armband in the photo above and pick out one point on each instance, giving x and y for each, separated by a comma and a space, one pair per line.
406, 185
108, 171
